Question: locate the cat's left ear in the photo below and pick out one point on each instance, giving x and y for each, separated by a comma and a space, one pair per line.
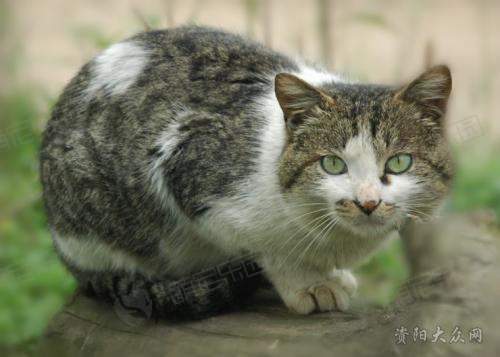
296, 96
430, 91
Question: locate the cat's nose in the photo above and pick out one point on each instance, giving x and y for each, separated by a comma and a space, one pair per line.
367, 207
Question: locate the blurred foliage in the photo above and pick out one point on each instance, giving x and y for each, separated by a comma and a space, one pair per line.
152, 21
382, 276
33, 284
92, 36
251, 11
99, 39
477, 183
371, 19
3, 18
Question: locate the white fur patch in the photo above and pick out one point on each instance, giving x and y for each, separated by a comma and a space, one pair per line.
401, 189
360, 156
89, 254
316, 77
362, 181
167, 141
117, 68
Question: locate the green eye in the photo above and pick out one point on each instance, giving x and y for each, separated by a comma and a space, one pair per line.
333, 165
398, 164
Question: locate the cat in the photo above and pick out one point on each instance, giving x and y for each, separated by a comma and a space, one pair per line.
184, 168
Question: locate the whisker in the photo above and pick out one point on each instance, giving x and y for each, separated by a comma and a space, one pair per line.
319, 236
322, 219
300, 259
327, 234
302, 215
300, 228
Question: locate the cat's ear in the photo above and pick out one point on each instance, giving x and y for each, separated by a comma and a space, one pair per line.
296, 96
430, 91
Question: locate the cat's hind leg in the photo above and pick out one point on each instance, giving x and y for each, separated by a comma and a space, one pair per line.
191, 297
117, 278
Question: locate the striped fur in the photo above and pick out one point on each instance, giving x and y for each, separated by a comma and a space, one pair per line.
181, 170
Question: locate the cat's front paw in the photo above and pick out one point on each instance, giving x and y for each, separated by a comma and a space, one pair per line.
333, 293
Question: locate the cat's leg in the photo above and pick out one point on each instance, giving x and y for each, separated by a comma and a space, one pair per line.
192, 297
307, 290
119, 278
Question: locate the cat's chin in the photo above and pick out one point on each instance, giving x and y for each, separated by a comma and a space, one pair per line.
369, 226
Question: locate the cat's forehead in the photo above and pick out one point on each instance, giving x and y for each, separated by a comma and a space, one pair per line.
361, 94
366, 114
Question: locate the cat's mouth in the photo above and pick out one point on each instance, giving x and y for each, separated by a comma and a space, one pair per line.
363, 222
368, 225
371, 221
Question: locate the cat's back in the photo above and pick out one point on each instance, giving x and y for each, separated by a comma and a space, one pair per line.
198, 66
132, 90
105, 128
123, 89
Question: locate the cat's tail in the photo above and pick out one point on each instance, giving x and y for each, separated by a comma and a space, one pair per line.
197, 296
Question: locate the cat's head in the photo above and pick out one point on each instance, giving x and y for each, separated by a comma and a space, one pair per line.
366, 156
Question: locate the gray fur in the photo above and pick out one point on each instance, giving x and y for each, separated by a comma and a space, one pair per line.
102, 141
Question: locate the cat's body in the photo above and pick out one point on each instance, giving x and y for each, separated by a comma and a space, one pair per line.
170, 154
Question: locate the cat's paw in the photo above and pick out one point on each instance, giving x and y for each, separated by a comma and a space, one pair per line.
328, 295
345, 279
325, 296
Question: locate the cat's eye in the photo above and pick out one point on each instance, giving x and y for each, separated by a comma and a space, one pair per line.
333, 165
398, 164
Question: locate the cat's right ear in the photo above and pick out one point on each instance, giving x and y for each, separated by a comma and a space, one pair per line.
296, 96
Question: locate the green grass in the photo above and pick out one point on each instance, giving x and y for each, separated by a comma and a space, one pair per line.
477, 184
382, 276
33, 283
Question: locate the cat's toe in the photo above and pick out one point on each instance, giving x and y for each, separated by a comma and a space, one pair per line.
300, 302
324, 298
340, 295
330, 296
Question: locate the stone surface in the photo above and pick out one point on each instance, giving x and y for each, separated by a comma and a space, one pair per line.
455, 284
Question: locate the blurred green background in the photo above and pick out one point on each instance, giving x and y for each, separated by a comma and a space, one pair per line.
44, 43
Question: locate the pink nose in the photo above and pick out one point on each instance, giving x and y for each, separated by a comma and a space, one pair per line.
367, 207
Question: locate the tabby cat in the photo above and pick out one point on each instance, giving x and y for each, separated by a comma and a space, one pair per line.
184, 168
